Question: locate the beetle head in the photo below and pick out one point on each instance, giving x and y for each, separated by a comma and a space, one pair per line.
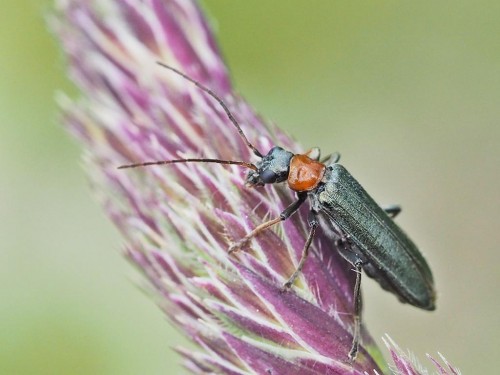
272, 168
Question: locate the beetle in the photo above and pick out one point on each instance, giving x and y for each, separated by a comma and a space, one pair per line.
363, 232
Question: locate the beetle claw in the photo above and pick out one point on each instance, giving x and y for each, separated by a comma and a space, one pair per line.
233, 248
238, 245
286, 287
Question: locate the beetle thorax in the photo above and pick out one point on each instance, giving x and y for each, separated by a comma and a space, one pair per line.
305, 173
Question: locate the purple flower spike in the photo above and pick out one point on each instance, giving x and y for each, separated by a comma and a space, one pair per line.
407, 364
178, 221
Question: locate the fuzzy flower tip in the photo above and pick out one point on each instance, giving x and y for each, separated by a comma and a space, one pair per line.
405, 363
179, 220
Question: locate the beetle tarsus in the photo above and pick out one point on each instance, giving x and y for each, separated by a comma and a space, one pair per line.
287, 212
236, 246
256, 231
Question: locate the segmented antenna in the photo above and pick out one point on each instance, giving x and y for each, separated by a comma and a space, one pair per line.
221, 103
163, 162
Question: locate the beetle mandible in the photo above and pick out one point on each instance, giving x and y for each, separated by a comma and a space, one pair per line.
365, 234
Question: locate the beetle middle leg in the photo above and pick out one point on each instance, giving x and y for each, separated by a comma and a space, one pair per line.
313, 224
287, 212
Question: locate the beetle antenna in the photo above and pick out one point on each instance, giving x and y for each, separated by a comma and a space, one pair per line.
221, 103
217, 161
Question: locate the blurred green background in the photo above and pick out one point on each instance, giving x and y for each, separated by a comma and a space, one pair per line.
407, 91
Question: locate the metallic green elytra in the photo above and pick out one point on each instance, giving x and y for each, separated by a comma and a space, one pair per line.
386, 252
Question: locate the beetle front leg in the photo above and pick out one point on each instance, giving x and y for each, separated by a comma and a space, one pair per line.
331, 159
287, 212
313, 224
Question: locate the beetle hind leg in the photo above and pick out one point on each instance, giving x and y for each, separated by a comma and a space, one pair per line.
331, 159
392, 210
245, 240
358, 305
346, 250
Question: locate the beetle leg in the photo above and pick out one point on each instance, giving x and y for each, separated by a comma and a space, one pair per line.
331, 159
313, 224
392, 210
358, 304
342, 243
287, 212
314, 153
355, 259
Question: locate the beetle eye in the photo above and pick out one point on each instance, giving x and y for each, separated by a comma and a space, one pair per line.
268, 176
